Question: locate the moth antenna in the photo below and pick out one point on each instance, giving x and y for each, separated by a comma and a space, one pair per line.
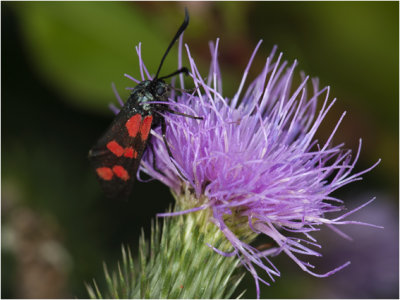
182, 70
178, 33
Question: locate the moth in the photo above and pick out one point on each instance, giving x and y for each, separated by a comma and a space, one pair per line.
117, 154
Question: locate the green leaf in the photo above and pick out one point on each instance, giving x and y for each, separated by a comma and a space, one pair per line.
80, 48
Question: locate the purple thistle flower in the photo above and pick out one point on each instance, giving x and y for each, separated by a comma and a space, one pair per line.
256, 156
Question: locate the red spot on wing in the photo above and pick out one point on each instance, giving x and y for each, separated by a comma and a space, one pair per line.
118, 150
115, 148
105, 173
120, 172
133, 125
145, 127
130, 152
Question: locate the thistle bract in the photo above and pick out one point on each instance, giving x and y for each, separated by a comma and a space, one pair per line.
255, 160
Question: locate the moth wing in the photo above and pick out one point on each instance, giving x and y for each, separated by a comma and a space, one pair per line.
117, 154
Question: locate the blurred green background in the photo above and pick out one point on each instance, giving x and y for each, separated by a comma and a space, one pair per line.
58, 62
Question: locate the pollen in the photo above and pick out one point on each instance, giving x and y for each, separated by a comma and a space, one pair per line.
105, 173
115, 148
120, 172
133, 125
145, 127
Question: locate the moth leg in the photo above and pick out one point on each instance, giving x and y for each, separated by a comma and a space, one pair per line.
164, 130
181, 114
154, 160
189, 91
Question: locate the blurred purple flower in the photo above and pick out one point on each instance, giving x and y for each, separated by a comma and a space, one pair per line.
375, 257
255, 156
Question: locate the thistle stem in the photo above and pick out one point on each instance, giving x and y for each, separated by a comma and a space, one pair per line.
176, 262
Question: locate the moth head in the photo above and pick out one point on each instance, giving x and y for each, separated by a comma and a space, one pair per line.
160, 89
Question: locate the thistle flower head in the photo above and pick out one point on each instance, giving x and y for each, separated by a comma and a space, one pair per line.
254, 157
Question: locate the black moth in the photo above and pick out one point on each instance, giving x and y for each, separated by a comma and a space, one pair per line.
117, 154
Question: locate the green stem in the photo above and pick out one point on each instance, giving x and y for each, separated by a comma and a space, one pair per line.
176, 262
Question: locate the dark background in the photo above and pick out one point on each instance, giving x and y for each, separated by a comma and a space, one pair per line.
58, 62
